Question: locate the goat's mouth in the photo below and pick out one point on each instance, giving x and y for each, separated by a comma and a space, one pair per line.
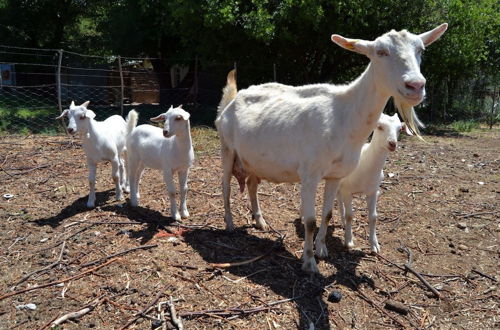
167, 134
414, 99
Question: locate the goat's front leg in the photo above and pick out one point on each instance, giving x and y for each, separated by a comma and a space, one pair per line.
92, 170
347, 199
371, 201
252, 184
115, 174
307, 194
169, 181
183, 188
331, 187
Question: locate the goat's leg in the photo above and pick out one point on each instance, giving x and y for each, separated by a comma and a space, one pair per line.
168, 177
307, 194
331, 187
227, 157
135, 172
115, 174
252, 184
123, 173
183, 188
371, 201
348, 221
340, 202
92, 170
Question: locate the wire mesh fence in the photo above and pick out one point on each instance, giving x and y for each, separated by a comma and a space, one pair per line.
37, 84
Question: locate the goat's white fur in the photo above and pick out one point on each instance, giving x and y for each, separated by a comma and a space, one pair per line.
101, 141
368, 175
169, 149
288, 134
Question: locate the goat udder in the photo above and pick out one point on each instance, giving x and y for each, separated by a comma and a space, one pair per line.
239, 173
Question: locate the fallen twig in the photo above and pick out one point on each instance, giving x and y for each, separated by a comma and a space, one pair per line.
409, 268
478, 213
173, 315
484, 275
249, 261
143, 312
55, 263
119, 254
10, 294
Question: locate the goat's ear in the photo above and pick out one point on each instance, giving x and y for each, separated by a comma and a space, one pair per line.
63, 114
406, 130
158, 119
356, 45
90, 114
85, 104
72, 104
430, 36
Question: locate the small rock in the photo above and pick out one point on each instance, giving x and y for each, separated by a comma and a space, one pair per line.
462, 225
475, 155
26, 306
464, 190
397, 307
8, 196
480, 183
335, 296
156, 324
462, 247
44, 240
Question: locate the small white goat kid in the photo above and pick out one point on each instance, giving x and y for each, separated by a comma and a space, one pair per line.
101, 141
368, 175
169, 149
308, 133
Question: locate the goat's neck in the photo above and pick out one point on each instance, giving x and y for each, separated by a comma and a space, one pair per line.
90, 134
367, 102
376, 153
183, 140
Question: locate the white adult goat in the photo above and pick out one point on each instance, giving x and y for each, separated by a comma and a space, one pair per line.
368, 175
309, 133
101, 141
170, 150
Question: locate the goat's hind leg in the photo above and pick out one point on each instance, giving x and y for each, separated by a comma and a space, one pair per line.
227, 158
308, 193
371, 200
123, 173
252, 184
115, 174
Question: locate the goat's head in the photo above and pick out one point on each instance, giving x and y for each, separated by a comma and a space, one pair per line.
175, 121
78, 116
387, 131
395, 59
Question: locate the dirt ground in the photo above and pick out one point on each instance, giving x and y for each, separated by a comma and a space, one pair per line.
440, 200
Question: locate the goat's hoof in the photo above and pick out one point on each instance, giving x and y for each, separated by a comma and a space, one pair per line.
134, 204
90, 205
260, 223
376, 248
228, 218
349, 245
126, 190
184, 214
177, 216
321, 250
310, 266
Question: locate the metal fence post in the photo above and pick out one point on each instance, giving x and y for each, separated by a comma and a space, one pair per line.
122, 87
58, 79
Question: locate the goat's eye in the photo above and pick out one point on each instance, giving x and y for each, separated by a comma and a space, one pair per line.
380, 128
178, 118
382, 53
82, 117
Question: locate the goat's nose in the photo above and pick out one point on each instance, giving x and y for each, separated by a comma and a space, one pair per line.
392, 145
166, 134
70, 130
415, 85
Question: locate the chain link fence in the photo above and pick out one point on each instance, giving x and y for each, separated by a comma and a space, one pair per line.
37, 84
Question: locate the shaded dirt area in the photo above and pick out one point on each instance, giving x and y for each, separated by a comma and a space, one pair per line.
439, 199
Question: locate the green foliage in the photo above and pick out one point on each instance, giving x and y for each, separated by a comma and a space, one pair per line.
464, 126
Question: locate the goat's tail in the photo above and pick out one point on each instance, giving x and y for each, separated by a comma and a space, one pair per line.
228, 92
132, 118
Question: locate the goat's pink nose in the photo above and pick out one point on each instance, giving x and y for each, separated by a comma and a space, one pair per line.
166, 134
415, 85
392, 145
70, 130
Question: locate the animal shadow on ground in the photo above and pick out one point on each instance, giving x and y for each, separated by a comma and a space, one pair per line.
155, 220
78, 206
279, 270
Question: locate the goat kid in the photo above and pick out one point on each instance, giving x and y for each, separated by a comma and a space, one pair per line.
169, 149
368, 175
308, 133
101, 141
